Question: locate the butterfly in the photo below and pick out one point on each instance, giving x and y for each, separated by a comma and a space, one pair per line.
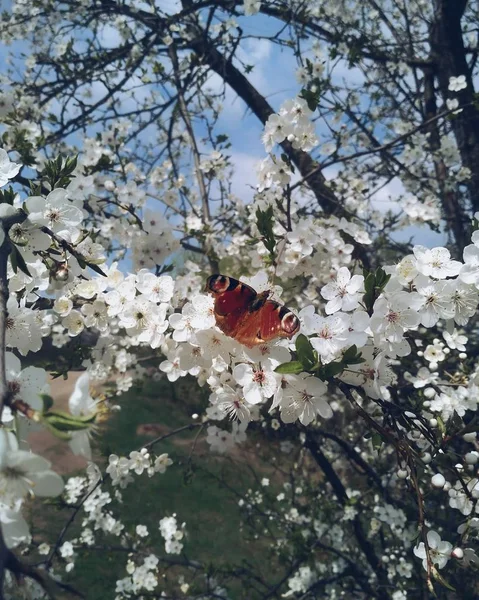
248, 316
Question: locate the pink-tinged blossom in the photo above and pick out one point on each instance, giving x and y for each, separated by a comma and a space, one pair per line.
436, 263
120, 298
215, 344
435, 300
303, 399
440, 551
373, 375
155, 289
197, 314
172, 368
141, 318
232, 404
27, 384
192, 358
392, 317
358, 327
273, 352
258, 382
331, 335
344, 293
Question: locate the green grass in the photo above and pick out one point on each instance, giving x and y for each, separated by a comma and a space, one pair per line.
190, 488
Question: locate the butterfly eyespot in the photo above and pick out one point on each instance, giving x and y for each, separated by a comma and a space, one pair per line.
218, 283
290, 323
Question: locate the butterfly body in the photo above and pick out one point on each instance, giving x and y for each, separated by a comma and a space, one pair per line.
247, 316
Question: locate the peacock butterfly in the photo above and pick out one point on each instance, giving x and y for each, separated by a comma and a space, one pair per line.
248, 316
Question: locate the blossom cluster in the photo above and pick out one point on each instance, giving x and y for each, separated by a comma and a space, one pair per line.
418, 313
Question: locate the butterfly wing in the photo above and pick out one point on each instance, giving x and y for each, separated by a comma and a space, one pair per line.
230, 294
272, 320
249, 317
233, 300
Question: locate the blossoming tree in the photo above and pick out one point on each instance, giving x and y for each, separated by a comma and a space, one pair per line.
116, 204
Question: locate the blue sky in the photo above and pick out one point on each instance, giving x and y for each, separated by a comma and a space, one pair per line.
274, 77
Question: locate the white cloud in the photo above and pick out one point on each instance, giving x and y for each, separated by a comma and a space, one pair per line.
244, 180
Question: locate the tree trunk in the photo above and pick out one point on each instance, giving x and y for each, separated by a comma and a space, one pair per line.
449, 55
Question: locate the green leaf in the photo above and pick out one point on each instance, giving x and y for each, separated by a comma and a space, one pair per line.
470, 427
265, 224
441, 425
47, 402
70, 165
377, 441
62, 435
7, 196
18, 262
368, 298
307, 356
312, 98
438, 577
352, 357
332, 369
350, 353
97, 269
381, 278
374, 284
290, 368
65, 422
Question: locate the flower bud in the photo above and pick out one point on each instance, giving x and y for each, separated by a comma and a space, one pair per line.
438, 481
426, 458
471, 458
